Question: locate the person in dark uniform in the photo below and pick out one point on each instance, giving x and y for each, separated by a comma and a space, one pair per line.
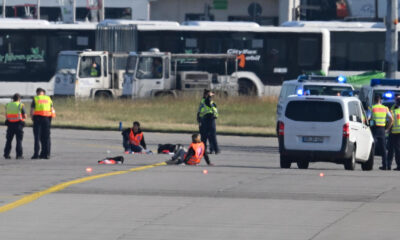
378, 115
394, 137
206, 116
133, 139
390, 142
41, 112
15, 122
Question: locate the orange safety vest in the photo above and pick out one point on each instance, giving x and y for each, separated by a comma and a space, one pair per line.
135, 139
199, 149
42, 106
14, 112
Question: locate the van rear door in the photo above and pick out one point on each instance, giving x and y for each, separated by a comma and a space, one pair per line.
315, 125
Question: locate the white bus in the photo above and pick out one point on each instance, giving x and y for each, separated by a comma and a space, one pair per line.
50, 9
270, 54
29, 49
355, 47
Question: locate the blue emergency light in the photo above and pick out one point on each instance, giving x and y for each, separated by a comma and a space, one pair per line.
341, 79
388, 95
300, 92
315, 78
385, 82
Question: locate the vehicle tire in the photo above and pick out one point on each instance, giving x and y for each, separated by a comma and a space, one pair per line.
350, 163
303, 164
103, 95
285, 162
247, 88
369, 165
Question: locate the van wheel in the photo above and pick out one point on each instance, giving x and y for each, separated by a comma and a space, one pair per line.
285, 162
303, 163
369, 165
350, 163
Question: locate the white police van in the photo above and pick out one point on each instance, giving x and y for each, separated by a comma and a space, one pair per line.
313, 85
386, 88
324, 128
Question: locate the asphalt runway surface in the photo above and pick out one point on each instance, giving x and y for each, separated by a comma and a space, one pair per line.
245, 196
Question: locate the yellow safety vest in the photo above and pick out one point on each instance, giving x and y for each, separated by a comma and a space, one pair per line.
14, 112
379, 114
94, 72
43, 105
204, 109
396, 122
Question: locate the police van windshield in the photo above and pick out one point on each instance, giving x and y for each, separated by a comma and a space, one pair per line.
328, 90
67, 62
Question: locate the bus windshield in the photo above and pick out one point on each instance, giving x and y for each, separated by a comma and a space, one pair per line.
328, 90
67, 62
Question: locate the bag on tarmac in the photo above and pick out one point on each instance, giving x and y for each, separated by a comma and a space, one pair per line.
112, 160
168, 148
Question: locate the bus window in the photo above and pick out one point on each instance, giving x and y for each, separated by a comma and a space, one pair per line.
307, 54
276, 52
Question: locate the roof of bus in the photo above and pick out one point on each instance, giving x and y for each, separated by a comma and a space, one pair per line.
220, 24
17, 23
338, 25
229, 28
109, 22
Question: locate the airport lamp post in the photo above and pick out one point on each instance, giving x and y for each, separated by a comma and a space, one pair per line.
392, 46
4, 8
38, 9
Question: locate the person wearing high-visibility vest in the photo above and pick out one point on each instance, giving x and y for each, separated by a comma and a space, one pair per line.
94, 70
380, 120
15, 121
390, 145
41, 113
133, 139
196, 151
206, 116
394, 137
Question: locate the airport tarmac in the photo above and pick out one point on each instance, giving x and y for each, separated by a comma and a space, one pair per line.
245, 196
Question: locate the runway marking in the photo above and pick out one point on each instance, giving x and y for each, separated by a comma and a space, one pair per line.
32, 197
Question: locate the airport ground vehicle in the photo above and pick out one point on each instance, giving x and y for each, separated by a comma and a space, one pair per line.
325, 128
386, 88
155, 73
74, 76
312, 85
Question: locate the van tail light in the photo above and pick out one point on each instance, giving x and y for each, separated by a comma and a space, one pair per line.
281, 129
346, 130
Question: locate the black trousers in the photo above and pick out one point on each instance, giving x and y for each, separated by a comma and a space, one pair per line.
208, 131
14, 129
380, 142
395, 142
41, 133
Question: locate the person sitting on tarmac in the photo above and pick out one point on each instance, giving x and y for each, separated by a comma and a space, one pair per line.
133, 139
193, 156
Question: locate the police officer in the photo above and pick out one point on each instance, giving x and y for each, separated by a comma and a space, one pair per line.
394, 137
15, 121
41, 113
207, 114
378, 114
390, 145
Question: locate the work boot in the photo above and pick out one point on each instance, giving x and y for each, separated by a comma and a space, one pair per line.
20, 157
34, 157
7, 157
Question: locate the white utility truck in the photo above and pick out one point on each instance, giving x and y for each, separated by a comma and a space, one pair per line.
155, 73
90, 74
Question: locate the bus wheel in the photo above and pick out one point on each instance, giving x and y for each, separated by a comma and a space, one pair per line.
247, 87
103, 95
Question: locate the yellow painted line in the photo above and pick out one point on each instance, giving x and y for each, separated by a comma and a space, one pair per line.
32, 197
